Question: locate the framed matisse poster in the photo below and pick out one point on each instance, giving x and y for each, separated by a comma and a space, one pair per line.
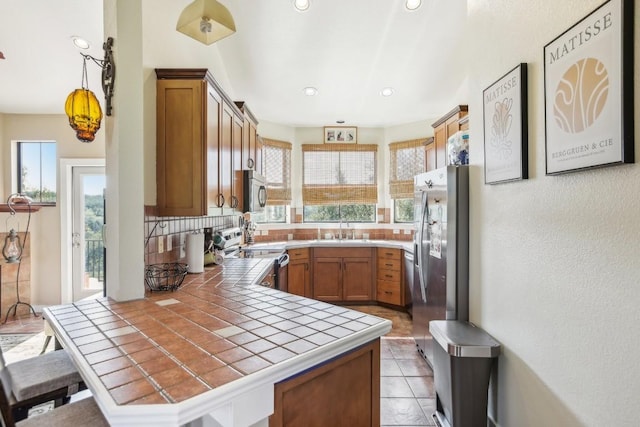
505, 128
588, 88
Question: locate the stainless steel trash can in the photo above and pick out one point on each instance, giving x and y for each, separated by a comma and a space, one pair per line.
462, 360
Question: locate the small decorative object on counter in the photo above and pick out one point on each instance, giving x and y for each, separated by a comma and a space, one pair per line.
458, 148
249, 229
165, 277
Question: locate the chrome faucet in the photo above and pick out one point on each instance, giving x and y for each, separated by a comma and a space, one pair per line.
340, 232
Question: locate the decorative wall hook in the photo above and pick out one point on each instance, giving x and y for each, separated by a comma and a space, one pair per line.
108, 72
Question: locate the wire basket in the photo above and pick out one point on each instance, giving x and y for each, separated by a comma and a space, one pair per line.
165, 277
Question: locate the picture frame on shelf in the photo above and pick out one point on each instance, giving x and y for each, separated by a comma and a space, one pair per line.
506, 128
588, 90
340, 135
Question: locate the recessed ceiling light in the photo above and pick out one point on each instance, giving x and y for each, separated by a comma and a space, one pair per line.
413, 4
80, 43
310, 91
301, 5
387, 91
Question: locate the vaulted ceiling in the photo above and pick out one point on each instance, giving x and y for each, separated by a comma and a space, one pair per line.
348, 49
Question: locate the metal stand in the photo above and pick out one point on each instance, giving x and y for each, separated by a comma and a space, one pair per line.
14, 306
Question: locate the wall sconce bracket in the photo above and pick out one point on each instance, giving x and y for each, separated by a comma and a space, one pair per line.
108, 66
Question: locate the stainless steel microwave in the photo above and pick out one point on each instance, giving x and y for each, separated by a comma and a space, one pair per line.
254, 191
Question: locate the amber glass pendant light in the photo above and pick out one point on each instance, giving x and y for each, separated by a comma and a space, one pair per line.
83, 109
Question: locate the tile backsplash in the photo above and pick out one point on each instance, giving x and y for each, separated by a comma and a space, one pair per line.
165, 236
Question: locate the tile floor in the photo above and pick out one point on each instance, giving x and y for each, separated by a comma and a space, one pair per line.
407, 396
406, 381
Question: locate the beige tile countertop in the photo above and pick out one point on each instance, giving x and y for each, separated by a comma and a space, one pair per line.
210, 348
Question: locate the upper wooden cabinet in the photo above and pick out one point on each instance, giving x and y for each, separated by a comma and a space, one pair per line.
249, 139
430, 155
199, 143
443, 129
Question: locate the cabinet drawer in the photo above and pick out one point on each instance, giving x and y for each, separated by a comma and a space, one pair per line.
389, 264
298, 253
387, 253
389, 292
342, 252
389, 275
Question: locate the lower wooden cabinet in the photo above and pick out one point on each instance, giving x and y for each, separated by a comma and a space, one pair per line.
342, 392
343, 274
299, 272
389, 287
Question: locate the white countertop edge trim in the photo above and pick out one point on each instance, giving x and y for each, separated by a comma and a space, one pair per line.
407, 245
194, 408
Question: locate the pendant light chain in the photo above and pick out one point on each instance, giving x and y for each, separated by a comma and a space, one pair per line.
85, 79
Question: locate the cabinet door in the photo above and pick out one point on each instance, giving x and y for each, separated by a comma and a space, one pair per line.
440, 141
327, 279
251, 161
259, 145
214, 111
298, 277
357, 279
236, 165
452, 125
180, 170
225, 165
430, 157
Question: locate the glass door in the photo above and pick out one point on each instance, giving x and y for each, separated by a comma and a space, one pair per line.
87, 232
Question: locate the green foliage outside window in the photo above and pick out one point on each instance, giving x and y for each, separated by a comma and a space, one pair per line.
335, 213
403, 210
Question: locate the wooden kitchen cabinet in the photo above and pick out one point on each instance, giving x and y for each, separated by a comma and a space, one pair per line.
249, 139
198, 127
430, 155
299, 272
318, 397
389, 288
445, 127
343, 274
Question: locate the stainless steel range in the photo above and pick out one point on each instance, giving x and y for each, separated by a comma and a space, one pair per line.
277, 277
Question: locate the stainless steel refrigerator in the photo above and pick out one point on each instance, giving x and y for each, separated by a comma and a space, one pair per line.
441, 247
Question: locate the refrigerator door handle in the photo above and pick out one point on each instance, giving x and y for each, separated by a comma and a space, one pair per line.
421, 271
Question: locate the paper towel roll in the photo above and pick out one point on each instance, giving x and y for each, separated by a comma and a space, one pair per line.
195, 252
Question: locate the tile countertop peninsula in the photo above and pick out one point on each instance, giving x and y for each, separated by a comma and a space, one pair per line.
212, 349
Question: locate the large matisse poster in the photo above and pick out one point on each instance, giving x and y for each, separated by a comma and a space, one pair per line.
588, 85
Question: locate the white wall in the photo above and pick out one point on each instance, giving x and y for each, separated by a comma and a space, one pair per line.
554, 259
45, 224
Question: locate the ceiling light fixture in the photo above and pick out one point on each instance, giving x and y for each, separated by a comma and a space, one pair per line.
387, 91
310, 91
80, 43
301, 5
413, 4
206, 21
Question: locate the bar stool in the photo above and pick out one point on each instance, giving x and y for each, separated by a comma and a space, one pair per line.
80, 413
31, 382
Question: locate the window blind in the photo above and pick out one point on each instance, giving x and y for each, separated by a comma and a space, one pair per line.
277, 171
339, 174
407, 160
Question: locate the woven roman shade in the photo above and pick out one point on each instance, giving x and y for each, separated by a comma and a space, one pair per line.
407, 160
277, 170
339, 174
